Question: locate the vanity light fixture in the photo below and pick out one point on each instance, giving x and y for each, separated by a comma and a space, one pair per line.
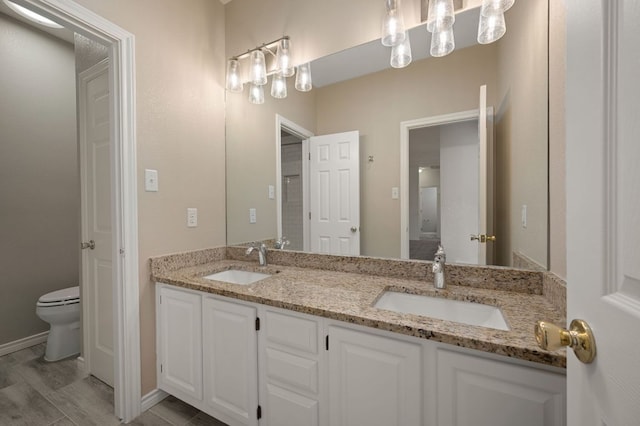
442, 43
401, 53
441, 15
31, 15
303, 78
257, 75
492, 7
491, 27
392, 24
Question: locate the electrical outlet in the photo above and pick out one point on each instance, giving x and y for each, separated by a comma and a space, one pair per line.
192, 217
524, 215
252, 215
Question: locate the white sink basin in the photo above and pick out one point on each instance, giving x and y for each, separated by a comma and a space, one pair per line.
444, 309
235, 276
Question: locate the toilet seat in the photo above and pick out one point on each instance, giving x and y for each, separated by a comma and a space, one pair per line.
66, 296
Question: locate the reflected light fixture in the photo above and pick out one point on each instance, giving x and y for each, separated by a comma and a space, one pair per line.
31, 15
401, 53
258, 68
256, 94
303, 78
442, 43
392, 24
441, 15
283, 58
491, 7
491, 27
234, 82
278, 86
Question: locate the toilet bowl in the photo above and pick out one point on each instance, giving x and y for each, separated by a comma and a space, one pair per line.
61, 309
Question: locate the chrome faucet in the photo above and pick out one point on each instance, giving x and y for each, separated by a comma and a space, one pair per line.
438, 268
281, 243
262, 252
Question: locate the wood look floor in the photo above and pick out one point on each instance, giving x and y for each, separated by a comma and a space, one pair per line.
34, 392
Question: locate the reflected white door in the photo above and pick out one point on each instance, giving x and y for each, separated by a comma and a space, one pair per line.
482, 175
603, 207
334, 193
97, 281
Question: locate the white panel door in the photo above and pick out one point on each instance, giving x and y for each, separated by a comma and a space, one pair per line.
97, 265
180, 343
335, 193
373, 380
603, 207
230, 361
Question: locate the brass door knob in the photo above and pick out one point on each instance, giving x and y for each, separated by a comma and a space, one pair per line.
579, 337
482, 238
90, 245
354, 229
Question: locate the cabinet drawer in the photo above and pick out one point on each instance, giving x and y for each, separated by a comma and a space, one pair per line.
293, 332
286, 408
292, 370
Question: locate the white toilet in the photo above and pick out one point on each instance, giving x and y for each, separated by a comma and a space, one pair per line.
61, 309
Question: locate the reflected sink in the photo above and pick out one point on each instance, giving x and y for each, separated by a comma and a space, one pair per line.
444, 309
235, 276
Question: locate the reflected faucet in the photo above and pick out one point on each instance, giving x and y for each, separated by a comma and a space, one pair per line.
282, 243
262, 252
439, 261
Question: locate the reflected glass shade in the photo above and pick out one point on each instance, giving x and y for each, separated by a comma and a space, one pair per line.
401, 53
441, 15
234, 83
491, 28
283, 58
392, 24
278, 86
442, 43
303, 78
256, 94
258, 74
492, 7
31, 15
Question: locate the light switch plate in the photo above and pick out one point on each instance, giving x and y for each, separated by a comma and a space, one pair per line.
252, 215
524, 215
192, 217
395, 193
272, 192
150, 180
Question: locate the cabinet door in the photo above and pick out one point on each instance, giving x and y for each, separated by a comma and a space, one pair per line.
474, 391
180, 343
373, 380
231, 363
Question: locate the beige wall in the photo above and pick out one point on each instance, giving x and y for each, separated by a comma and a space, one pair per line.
522, 134
557, 189
251, 158
180, 65
376, 104
39, 190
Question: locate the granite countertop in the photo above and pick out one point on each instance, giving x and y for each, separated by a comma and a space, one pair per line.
349, 297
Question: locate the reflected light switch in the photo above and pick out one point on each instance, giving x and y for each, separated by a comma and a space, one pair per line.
150, 180
395, 193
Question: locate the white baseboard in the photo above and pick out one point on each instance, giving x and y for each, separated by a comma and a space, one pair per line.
17, 345
152, 398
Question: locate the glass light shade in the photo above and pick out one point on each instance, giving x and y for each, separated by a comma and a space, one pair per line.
258, 68
392, 24
442, 43
441, 15
303, 78
256, 94
278, 86
234, 83
491, 28
283, 58
491, 7
401, 53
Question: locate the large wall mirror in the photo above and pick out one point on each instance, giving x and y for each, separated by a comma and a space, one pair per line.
423, 182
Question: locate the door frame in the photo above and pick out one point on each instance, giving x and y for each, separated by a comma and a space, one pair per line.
405, 127
127, 380
304, 134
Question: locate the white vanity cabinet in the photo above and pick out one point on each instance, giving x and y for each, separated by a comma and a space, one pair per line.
207, 353
373, 380
292, 370
179, 343
230, 359
252, 364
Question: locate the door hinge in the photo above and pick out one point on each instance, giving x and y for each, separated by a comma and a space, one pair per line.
259, 412
309, 156
161, 300
326, 342
309, 215
161, 368
257, 323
